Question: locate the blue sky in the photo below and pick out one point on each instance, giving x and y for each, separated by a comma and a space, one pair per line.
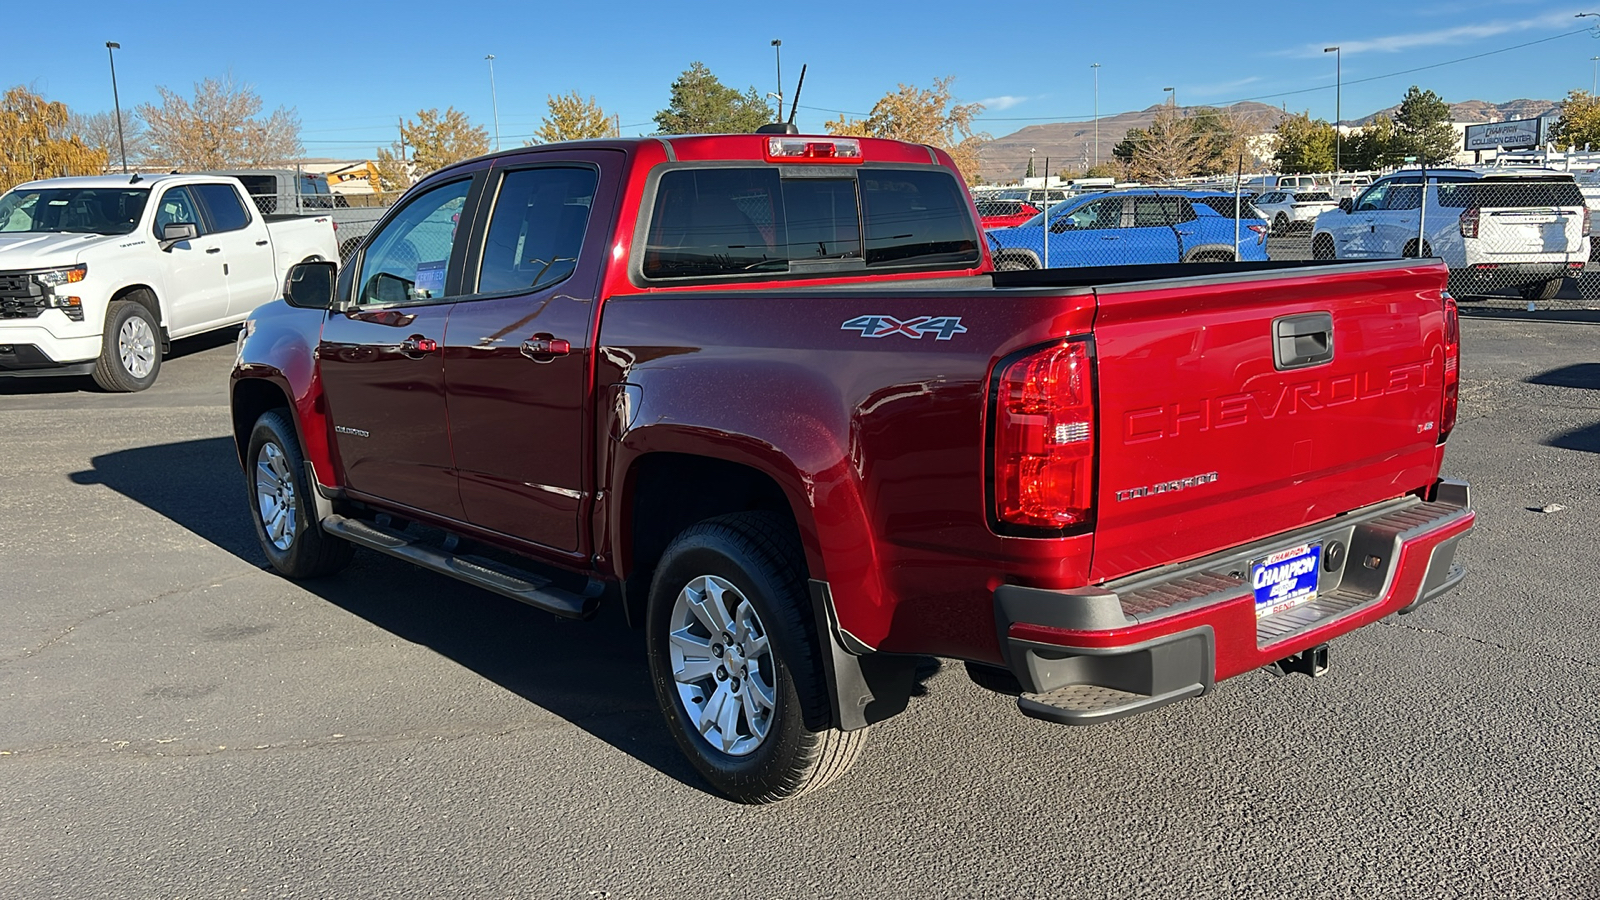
351, 70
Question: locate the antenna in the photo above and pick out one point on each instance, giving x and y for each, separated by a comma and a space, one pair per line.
786, 127
796, 104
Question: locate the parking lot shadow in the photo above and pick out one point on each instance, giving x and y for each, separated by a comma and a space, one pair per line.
1584, 440
1577, 375
591, 674
73, 384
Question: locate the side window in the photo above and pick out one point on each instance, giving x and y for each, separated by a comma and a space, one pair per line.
536, 230
408, 260
1404, 196
1156, 211
1099, 214
177, 207
222, 202
1373, 199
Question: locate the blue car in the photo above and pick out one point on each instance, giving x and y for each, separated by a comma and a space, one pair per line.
1133, 228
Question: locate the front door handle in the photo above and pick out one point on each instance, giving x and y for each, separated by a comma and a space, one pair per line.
214, 250
544, 347
1181, 231
1110, 237
418, 346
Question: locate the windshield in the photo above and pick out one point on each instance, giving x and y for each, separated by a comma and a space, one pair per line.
72, 210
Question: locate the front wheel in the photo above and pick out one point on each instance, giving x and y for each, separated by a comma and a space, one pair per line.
130, 349
280, 500
736, 663
1322, 247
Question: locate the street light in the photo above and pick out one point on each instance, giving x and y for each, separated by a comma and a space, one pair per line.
1174, 93
1096, 68
116, 102
1338, 90
1594, 78
777, 53
494, 99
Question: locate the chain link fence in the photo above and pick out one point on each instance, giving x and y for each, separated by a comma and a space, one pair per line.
1512, 239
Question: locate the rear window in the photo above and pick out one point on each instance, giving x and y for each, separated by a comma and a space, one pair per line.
1225, 206
1510, 194
709, 222
1313, 196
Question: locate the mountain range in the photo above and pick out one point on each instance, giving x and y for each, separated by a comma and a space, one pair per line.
1072, 144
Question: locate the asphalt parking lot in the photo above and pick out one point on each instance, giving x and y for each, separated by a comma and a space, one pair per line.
176, 722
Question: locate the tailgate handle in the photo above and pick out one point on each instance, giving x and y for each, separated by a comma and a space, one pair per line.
1303, 340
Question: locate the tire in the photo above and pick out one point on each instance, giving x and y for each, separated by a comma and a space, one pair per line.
275, 470
130, 348
1409, 251
1280, 225
778, 741
1322, 247
1211, 256
1542, 290
1014, 264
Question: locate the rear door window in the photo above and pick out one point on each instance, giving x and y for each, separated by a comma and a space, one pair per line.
710, 222
222, 203
536, 230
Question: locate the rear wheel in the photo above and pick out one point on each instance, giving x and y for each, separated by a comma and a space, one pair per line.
1280, 225
736, 664
1014, 264
1542, 290
1322, 247
1409, 251
280, 498
130, 348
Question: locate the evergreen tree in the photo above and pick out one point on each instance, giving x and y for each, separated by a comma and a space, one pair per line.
1422, 128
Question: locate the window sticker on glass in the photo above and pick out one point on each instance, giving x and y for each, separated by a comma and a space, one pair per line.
430, 279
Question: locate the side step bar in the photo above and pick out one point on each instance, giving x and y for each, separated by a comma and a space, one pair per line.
523, 586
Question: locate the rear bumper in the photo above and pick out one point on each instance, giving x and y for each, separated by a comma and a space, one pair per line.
1102, 653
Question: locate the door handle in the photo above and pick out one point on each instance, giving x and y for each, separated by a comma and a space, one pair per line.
418, 346
1110, 237
261, 243
214, 250
1181, 231
544, 347
1302, 340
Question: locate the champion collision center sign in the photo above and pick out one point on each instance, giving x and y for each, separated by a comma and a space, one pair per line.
1513, 135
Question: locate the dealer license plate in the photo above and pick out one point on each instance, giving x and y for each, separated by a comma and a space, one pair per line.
1286, 579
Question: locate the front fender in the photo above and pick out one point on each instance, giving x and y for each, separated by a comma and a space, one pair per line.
279, 349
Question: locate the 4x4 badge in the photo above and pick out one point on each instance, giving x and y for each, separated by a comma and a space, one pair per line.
943, 327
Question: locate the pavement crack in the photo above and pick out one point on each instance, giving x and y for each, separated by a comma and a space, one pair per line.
1520, 651
62, 635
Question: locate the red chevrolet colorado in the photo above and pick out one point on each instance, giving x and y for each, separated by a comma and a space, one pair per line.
765, 392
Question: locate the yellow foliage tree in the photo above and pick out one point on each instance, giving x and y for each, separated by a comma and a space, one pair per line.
1579, 126
435, 140
923, 116
221, 128
573, 118
35, 141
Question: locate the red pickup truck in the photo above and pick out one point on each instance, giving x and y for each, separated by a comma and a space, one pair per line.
766, 392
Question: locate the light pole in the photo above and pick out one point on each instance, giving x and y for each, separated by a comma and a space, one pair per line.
1095, 67
1031, 151
777, 53
1338, 91
1174, 93
116, 103
494, 98
1594, 78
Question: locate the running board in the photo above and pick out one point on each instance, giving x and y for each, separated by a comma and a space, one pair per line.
520, 585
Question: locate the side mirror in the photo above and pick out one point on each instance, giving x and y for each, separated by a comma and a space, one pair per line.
176, 233
310, 285
1347, 204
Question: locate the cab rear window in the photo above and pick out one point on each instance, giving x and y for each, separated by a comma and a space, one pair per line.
710, 222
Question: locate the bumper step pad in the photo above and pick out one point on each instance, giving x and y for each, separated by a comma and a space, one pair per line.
1089, 704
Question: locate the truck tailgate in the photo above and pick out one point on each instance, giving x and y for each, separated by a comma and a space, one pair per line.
1212, 438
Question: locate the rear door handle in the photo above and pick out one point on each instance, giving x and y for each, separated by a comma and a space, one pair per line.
544, 347
1110, 237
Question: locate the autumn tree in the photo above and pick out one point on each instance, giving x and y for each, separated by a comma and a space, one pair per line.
1304, 145
1422, 128
1579, 125
221, 128
924, 116
35, 141
700, 104
572, 118
1223, 139
1374, 146
435, 140
98, 131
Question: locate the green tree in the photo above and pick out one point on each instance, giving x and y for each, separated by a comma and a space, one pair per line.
221, 128
923, 116
1304, 145
572, 118
435, 140
1422, 128
1374, 146
1029, 173
35, 141
701, 104
1580, 121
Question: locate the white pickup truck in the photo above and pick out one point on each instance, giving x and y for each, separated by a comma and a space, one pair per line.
98, 274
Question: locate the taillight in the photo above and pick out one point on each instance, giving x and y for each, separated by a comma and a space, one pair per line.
1587, 222
785, 149
1469, 222
1044, 438
1452, 368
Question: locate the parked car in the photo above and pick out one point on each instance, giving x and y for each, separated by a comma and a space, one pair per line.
99, 274
1037, 197
994, 213
1349, 185
803, 434
1294, 210
1260, 184
1518, 228
1131, 227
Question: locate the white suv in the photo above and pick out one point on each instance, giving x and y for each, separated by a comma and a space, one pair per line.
1527, 229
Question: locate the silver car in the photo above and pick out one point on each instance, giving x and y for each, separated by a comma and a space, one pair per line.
1290, 210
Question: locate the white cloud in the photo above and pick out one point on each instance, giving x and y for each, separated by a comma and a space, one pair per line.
998, 103
1459, 34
